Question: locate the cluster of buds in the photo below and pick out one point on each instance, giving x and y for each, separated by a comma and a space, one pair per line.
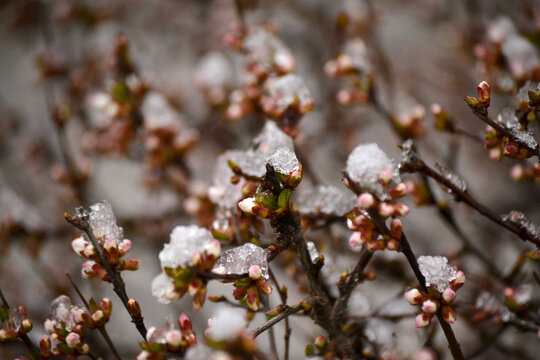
500, 145
13, 323
434, 300
286, 96
227, 332
66, 327
529, 100
189, 279
168, 339
250, 287
481, 103
524, 171
360, 220
353, 63
113, 251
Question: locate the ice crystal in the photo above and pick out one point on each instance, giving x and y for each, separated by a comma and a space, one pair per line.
520, 220
227, 323
238, 260
272, 138
267, 51
326, 200
222, 192
453, 178
287, 90
523, 93
13, 321
184, 242
312, 249
103, 223
158, 113
283, 160
525, 137
509, 119
364, 165
437, 271
61, 311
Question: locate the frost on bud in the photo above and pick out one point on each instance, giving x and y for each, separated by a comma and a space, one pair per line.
247, 205
430, 306
448, 295
72, 340
366, 201
255, 272
449, 315
134, 307
413, 296
422, 320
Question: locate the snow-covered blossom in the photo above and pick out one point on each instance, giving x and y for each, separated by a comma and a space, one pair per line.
437, 271
227, 324
366, 163
184, 242
238, 260
284, 92
283, 160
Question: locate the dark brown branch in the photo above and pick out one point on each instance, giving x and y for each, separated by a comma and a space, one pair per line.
101, 329
420, 166
115, 278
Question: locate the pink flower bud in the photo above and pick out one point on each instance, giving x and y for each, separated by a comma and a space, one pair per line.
110, 244
79, 245
130, 264
126, 245
134, 308
247, 205
422, 320
214, 249
401, 209
84, 349
184, 323
396, 228
398, 191
459, 280
413, 296
320, 342
49, 326
430, 306
99, 317
255, 272
355, 240
72, 340
448, 295
483, 90
351, 225
173, 338
366, 201
385, 176
45, 346
385, 209
106, 305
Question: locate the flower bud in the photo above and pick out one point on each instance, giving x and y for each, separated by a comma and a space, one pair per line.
392, 245
355, 240
130, 264
413, 296
126, 245
483, 90
49, 326
449, 315
45, 346
448, 295
106, 305
83, 349
255, 272
398, 191
72, 340
385, 176
366, 201
430, 306
174, 339
401, 209
320, 342
459, 280
99, 317
7, 335
264, 286
295, 177
134, 308
247, 205
386, 209
252, 298
422, 320
396, 228
214, 249
184, 323
26, 326
78, 245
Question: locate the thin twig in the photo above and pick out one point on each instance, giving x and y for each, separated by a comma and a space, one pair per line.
101, 329
119, 286
284, 313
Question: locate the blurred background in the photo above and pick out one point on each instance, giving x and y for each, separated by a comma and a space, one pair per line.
62, 145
